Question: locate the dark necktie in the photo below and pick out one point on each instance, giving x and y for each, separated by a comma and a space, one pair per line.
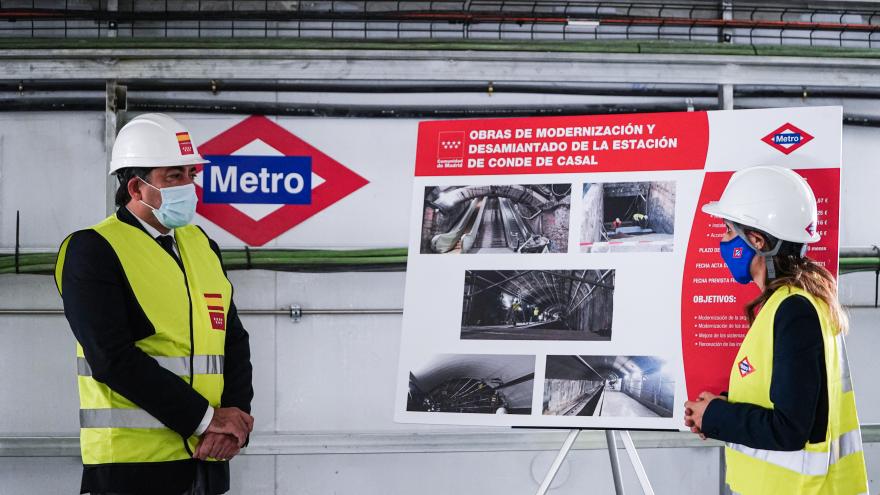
167, 243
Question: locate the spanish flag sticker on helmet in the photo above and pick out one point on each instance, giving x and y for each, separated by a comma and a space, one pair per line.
186, 147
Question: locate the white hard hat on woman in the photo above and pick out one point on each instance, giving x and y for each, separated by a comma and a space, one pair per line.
775, 201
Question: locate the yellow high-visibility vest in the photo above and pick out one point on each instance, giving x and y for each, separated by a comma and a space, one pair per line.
188, 310
834, 466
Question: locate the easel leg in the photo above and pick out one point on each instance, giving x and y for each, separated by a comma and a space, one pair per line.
615, 461
557, 463
636, 463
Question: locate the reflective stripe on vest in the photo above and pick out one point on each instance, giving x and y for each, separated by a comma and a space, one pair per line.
806, 462
732, 492
205, 364
845, 377
118, 418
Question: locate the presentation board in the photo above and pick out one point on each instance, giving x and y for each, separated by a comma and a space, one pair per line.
561, 273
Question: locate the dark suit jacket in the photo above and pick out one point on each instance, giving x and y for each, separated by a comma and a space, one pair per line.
107, 320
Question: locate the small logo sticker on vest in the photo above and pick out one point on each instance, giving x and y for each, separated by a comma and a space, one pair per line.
216, 312
745, 367
218, 321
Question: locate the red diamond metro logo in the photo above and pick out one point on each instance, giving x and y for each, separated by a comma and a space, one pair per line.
745, 367
338, 181
787, 138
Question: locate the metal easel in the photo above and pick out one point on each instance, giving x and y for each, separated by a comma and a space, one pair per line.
615, 462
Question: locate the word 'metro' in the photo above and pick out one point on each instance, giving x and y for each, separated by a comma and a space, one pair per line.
258, 179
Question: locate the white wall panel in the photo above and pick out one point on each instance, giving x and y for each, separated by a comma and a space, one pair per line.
33, 475
263, 359
585, 471
329, 374
338, 372
52, 169
252, 475
38, 392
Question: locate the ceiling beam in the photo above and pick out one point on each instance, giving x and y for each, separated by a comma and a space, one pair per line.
439, 65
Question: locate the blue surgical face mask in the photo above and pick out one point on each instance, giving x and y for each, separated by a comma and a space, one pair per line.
738, 256
178, 205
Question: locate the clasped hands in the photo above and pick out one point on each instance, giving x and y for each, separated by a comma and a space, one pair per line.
694, 409
226, 434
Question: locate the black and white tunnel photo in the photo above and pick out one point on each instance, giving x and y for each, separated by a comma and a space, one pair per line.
608, 386
628, 217
496, 219
537, 304
473, 383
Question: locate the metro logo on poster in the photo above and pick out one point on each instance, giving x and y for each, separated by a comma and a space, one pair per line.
811, 229
787, 138
258, 179
738, 253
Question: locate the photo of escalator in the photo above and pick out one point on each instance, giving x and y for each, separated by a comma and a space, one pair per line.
608, 386
538, 304
496, 219
627, 217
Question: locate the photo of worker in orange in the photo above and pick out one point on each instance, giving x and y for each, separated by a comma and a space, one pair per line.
789, 417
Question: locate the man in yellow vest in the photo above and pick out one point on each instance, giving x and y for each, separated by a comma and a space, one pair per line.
641, 219
515, 308
790, 419
163, 361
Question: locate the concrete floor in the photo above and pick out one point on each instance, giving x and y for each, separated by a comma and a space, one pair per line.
617, 404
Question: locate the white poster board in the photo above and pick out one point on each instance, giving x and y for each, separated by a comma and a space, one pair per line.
560, 271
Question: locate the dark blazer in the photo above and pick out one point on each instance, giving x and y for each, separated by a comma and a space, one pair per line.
107, 320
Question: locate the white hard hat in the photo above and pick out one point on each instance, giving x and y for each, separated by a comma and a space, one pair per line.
771, 199
154, 140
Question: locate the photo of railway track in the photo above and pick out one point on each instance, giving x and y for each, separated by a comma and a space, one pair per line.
608, 386
538, 304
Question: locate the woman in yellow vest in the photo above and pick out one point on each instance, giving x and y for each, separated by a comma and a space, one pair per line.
789, 418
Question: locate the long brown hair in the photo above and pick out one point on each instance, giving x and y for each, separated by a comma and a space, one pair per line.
808, 275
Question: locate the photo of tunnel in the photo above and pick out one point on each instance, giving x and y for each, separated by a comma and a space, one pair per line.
496, 219
538, 304
608, 386
473, 383
628, 216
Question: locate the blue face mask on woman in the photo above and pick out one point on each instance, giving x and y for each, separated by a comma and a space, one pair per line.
738, 256
178, 205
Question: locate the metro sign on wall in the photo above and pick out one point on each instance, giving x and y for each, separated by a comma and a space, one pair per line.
263, 180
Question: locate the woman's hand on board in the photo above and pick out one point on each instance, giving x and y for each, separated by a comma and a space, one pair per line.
694, 409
